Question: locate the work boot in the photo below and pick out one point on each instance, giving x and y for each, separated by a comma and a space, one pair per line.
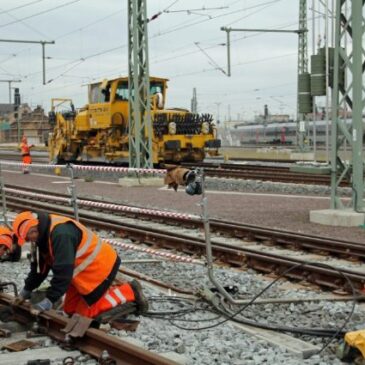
121, 310
140, 299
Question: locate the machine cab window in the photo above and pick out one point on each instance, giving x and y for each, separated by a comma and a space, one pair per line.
122, 92
156, 87
99, 93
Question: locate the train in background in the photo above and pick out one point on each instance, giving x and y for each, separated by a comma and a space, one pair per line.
283, 134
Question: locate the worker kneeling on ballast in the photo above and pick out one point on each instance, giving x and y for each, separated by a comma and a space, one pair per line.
9, 248
84, 267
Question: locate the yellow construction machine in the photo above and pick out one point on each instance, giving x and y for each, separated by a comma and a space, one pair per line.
98, 132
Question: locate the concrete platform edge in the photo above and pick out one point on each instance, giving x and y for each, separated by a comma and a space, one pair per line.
336, 217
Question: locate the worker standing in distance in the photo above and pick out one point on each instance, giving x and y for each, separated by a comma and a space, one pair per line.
84, 267
25, 152
9, 248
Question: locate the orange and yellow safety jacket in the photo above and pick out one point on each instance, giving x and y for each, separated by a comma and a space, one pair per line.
94, 258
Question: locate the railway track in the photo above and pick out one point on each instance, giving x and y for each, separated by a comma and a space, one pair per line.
239, 255
246, 232
261, 172
229, 170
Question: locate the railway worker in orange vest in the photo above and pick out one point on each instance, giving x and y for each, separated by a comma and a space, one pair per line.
9, 248
84, 267
25, 152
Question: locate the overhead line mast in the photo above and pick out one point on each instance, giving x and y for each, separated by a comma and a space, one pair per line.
302, 67
140, 124
348, 94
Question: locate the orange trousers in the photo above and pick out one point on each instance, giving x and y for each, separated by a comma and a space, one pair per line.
27, 160
115, 295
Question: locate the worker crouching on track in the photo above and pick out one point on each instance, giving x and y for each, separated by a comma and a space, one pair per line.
179, 176
84, 267
25, 152
9, 248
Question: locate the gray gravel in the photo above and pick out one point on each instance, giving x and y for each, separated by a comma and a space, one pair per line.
224, 344
258, 186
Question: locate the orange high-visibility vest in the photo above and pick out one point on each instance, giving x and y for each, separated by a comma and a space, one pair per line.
94, 258
24, 148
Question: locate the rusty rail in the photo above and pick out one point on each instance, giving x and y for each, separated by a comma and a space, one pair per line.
94, 342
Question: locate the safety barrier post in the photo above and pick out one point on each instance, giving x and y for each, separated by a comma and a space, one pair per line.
72, 191
209, 263
3, 198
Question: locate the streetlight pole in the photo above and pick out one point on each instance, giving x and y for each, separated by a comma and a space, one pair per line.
43, 43
10, 82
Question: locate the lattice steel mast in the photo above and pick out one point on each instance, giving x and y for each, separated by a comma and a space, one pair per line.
302, 62
140, 127
349, 94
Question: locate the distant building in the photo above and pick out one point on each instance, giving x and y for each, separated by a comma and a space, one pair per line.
6, 109
32, 123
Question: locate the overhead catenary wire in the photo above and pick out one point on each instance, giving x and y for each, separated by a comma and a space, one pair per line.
236, 64
124, 46
174, 76
184, 26
23, 22
40, 13
193, 11
20, 6
108, 50
65, 70
114, 13
212, 62
264, 5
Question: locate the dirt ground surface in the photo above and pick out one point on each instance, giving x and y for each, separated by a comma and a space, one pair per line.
269, 210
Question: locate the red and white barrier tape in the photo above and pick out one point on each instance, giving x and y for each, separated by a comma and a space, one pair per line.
123, 170
37, 195
126, 208
23, 165
151, 251
115, 207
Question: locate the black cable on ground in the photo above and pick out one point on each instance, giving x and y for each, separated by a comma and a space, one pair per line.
332, 333
170, 315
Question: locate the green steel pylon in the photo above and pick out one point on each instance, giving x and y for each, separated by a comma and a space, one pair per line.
348, 92
140, 127
302, 63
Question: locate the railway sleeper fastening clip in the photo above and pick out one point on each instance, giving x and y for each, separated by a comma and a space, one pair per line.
76, 327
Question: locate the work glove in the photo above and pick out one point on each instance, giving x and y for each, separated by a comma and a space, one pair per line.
194, 188
23, 295
43, 305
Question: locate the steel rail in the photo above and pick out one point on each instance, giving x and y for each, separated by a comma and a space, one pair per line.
236, 256
94, 342
260, 172
272, 236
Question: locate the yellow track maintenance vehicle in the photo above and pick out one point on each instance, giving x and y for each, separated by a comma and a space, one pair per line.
99, 131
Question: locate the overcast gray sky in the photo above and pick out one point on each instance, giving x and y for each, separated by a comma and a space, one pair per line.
91, 43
